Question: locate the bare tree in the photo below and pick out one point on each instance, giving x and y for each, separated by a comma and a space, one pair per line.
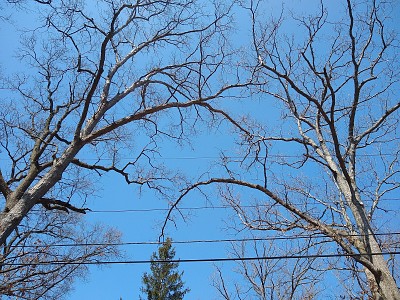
272, 276
48, 252
328, 167
105, 81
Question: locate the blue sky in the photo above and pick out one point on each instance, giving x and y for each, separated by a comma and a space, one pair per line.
115, 281
142, 223
110, 282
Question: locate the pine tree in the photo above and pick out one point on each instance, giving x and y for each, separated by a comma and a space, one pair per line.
164, 282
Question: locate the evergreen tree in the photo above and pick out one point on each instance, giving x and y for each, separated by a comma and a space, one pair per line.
164, 282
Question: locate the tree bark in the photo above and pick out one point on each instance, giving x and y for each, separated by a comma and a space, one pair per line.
381, 281
20, 206
12, 217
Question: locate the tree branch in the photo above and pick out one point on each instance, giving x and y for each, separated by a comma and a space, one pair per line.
4, 188
51, 204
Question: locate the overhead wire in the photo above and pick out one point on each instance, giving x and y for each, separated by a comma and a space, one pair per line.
209, 207
200, 260
209, 157
159, 209
231, 157
271, 238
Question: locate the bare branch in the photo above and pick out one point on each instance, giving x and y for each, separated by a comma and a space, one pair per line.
51, 204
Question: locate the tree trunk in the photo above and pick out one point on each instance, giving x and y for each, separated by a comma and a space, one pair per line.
12, 217
20, 206
381, 282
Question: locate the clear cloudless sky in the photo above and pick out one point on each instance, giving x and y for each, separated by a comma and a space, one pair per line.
143, 223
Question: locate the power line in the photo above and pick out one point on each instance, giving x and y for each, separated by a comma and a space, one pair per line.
198, 260
204, 241
210, 157
210, 207
158, 209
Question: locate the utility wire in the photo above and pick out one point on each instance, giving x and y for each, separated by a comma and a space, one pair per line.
231, 157
158, 209
209, 157
210, 207
196, 260
203, 241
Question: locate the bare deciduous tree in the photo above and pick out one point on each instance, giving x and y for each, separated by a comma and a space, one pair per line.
105, 80
48, 252
329, 165
276, 278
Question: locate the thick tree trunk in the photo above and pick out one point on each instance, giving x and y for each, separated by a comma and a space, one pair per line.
12, 217
20, 206
381, 282
384, 287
